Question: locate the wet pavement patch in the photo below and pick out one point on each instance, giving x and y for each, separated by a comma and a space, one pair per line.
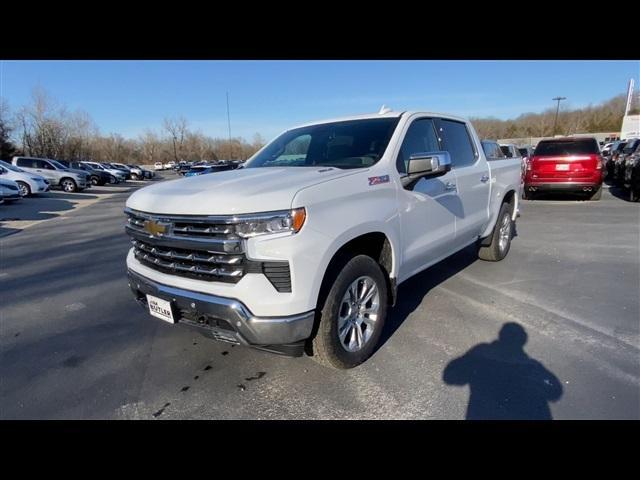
208, 367
73, 361
225, 353
161, 411
184, 389
258, 376
196, 377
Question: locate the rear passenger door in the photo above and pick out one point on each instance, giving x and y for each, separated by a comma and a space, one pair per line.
46, 170
472, 179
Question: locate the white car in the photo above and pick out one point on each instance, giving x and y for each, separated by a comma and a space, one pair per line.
169, 165
10, 190
302, 249
158, 166
28, 183
118, 175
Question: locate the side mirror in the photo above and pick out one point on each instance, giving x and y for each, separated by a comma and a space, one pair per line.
426, 164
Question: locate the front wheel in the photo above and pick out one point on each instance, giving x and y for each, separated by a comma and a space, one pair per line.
352, 315
501, 236
25, 190
68, 185
95, 181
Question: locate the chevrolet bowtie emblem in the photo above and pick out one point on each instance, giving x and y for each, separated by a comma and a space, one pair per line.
155, 228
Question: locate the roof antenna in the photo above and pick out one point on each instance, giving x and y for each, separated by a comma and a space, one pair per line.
384, 110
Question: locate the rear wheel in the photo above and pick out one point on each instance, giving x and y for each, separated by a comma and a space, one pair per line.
68, 185
25, 190
501, 236
597, 194
95, 180
352, 315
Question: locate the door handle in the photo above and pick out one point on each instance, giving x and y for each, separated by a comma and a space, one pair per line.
484, 178
449, 186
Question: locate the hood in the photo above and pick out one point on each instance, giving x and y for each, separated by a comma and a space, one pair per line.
80, 173
246, 190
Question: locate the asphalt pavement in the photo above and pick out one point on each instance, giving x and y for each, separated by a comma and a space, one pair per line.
553, 331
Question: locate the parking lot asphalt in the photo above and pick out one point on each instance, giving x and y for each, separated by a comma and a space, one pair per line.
553, 331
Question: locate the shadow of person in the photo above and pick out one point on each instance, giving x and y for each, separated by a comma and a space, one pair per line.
504, 382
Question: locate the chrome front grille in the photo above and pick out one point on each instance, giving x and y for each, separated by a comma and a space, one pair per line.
201, 247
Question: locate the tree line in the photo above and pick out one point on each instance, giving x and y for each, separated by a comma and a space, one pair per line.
601, 118
44, 128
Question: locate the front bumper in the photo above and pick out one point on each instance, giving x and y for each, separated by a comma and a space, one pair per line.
225, 319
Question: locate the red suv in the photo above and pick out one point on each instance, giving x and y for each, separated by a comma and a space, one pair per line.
567, 164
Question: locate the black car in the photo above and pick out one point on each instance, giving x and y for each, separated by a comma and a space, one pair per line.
97, 177
632, 174
613, 167
183, 168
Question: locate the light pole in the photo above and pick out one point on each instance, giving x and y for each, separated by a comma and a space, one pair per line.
557, 99
229, 125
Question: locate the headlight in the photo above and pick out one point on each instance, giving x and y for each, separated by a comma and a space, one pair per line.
273, 222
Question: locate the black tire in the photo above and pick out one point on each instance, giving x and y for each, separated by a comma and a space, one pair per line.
112, 180
597, 195
494, 252
527, 195
25, 189
69, 185
326, 345
95, 180
134, 176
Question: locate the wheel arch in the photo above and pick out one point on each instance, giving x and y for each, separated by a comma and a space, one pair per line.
375, 244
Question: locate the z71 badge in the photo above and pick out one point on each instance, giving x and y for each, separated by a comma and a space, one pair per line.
378, 180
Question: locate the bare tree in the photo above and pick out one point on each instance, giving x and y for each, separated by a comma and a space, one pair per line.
177, 129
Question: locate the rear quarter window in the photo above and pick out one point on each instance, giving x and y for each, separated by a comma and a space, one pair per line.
567, 147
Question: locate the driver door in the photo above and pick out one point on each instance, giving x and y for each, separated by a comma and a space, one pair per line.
427, 210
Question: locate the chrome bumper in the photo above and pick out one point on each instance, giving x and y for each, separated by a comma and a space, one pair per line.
225, 319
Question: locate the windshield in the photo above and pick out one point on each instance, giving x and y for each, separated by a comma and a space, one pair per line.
96, 166
348, 144
10, 167
58, 165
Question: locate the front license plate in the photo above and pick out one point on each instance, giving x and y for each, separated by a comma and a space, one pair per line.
562, 167
160, 308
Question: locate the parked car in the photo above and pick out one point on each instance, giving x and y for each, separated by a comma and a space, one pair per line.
606, 149
158, 166
116, 176
10, 190
620, 163
612, 159
70, 180
307, 250
113, 166
567, 164
28, 183
184, 169
169, 165
135, 172
96, 177
203, 170
148, 174
632, 174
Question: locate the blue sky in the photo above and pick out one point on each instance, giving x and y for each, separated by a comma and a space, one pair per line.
127, 97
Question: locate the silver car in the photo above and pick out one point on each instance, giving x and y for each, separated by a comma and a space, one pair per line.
68, 179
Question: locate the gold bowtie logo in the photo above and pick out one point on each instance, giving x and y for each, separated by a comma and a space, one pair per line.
155, 228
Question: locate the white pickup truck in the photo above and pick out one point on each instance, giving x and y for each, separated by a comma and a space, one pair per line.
303, 248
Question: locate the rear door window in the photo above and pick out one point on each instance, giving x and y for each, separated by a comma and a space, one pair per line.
567, 147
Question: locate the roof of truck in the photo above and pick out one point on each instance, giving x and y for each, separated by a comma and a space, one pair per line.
388, 114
